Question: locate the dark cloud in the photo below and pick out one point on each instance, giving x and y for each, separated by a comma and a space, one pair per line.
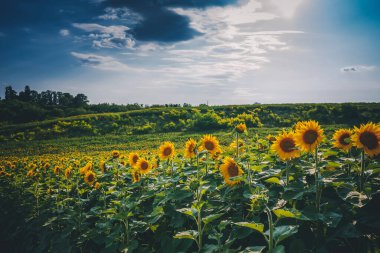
159, 23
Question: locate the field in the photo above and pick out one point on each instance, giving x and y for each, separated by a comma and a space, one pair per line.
174, 180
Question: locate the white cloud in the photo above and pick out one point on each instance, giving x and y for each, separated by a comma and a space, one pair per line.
124, 14
357, 68
64, 32
106, 63
286, 8
114, 36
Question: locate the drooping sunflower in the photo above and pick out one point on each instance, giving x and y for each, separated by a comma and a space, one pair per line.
229, 169
241, 128
367, 137
143, 166
190, 148
342, 139
166, 150
115, 153
211, 144
285, 146
68, 172
308, 136
136, 176
90, 177
133, 158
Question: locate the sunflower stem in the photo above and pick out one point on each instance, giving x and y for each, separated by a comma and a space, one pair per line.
237, 145
287, 172
270, 221
362, 167
318, 191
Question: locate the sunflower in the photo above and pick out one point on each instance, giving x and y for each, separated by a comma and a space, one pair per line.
367, 137
30, 173
210, 143
299, 124
308, 136
90, 177
133, 158
68, 172
136, 176
271, 138
86, 168
190, 148
115, 154
102, 166
241, 145
285, 146
166, 150
143, 166
229, 169
241, 128
342, 139
97, 185
57, 170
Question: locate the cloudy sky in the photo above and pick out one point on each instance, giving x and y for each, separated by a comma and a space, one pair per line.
176, 51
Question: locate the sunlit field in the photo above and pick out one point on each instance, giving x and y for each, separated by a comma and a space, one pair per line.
303, 188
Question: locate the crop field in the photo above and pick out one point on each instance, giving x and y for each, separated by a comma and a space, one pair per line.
304, 187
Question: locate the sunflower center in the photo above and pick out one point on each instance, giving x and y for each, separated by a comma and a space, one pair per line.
233, 170
144, 165
343, 138
287, 145
90, 178
209, 145
369, 140
167, 151
135, 158
310, 136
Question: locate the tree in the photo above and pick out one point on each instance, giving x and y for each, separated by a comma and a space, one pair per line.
25, 95
80, 100
10, 93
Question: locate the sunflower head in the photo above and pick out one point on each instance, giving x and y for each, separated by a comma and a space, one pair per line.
241, 128
136, 176
241, 145
308, 136
115, 153
285, 146
133, 158
102, 166
271, 138
86, 168
190, 148
342, 139
143, 166
367, 137
68, 172
30, 173
166, 150
211, 144
57, 170
230, 169
97, 185
90, 177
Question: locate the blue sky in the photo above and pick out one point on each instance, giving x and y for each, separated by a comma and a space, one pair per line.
176, 51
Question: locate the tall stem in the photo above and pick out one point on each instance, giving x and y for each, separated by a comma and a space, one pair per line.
199, 230
318, 191
270, 221
362, 167
287, 172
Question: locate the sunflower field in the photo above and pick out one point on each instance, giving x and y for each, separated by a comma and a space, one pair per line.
300, 189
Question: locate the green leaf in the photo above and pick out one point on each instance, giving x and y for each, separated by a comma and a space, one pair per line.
255, 226
279, 249
282, 232
331, 219
211, 218
273, 180
189, 211
283, 213
189, 234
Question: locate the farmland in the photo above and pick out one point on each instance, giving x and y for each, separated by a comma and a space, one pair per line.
174, 180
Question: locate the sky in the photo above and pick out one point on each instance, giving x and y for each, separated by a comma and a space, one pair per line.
194, 51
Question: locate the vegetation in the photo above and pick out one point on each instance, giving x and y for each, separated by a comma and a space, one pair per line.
305, 189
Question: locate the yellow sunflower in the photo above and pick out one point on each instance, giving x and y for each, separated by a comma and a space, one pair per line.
143, 166
167, 150
190, 148
367, 137
133, 158
68, 172
342, 139
241, 145
299, 124
271, 138
86, 168
136, 176
241, 128
285, 146
115, 154
57, 170
211, 144
102, 166
90, 177
229, 169
30, 173
97, 185
308, 136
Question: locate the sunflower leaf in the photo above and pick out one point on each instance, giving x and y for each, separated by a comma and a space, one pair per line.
189, 234
283, 213
255, 226
211, 218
